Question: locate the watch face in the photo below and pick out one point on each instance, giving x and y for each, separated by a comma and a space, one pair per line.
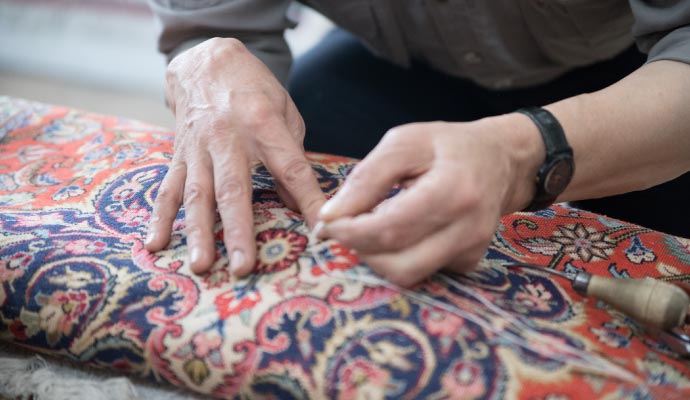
559, 175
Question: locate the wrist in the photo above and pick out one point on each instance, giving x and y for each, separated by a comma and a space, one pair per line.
525, 150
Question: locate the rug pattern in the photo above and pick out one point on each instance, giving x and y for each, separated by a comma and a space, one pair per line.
76, 192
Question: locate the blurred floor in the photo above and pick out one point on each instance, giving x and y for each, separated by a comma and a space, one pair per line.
89, 98
99, 55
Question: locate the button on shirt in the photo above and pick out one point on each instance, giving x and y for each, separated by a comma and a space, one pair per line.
471, 58
496, 43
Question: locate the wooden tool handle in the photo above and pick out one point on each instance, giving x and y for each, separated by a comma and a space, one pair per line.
650, 301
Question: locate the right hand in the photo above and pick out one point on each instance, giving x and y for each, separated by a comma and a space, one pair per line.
231, 114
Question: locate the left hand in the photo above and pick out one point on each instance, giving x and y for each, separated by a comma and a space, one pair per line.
458, 180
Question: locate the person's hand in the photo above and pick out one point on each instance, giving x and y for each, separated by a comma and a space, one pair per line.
458, 180
231, 114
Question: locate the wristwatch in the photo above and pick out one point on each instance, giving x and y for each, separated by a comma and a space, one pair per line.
558, 168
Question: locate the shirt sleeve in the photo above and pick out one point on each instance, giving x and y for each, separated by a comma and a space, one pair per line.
259, 24
662, 29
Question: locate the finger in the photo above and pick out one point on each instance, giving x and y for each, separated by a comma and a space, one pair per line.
166, 207
233, 184
390, 162
289, 166
287, 198
464, 263
400, 221
294, 121
413, 264
200, 207
170, 95
408, 182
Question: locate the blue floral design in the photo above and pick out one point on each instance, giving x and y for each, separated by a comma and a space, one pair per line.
637, 253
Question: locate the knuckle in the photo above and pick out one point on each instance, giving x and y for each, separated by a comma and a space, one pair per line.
195, 193
467, 198
357, 177
167, 191
472, 199
294, 171
311, 203
226, 44
178, 167
218, 48
402, 133
230, 191
164, 195
218, 125
194, 231
232, 231
257, 110
235, 235
390, 238
396, 134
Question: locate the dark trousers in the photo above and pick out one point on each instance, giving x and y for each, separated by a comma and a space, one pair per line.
349, 98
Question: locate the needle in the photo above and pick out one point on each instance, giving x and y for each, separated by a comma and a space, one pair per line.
655, 303
562, 274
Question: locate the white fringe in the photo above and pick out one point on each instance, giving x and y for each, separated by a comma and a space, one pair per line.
30, 377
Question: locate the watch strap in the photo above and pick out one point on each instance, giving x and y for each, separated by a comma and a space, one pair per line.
557, 148
550, 129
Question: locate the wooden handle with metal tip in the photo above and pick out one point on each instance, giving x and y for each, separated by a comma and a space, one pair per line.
650, 301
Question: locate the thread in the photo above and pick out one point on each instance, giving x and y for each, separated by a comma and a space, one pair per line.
566, 354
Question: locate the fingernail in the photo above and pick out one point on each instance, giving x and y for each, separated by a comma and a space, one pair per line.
329, 209
236, 261
195, 256
149, 237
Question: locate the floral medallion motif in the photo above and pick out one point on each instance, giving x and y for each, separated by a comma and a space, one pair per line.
278, 249
77, 190
584, 242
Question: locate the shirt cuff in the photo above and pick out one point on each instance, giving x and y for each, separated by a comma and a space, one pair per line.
274, 52
674, 46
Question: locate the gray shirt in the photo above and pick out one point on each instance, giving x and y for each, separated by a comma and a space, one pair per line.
496, 43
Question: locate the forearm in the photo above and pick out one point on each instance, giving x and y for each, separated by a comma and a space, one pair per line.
630, 136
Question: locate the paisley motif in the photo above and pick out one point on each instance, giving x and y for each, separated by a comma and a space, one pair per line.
76, 194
